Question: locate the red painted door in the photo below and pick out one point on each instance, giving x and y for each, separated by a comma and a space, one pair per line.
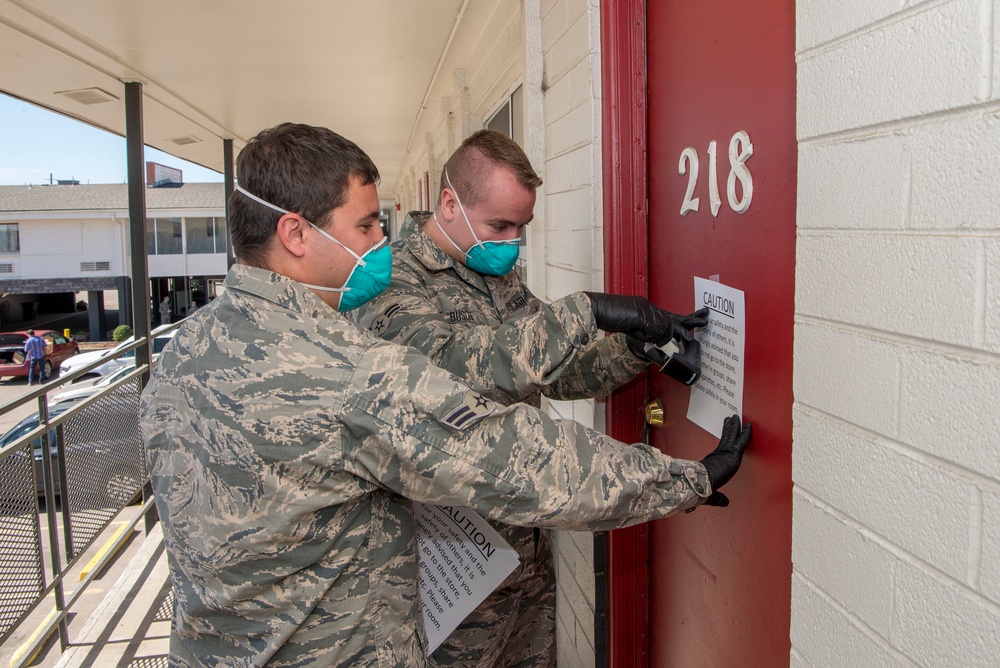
720, 579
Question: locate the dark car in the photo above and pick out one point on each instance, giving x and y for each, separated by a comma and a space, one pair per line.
13, 361
110, 464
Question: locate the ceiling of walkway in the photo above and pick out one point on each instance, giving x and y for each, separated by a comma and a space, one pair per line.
215, 69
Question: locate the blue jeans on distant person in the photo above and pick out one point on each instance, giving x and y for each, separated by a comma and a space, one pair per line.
36, 364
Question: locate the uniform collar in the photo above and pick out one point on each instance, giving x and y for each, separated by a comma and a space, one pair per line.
277, 289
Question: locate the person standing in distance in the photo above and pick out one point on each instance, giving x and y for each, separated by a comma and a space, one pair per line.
165, 311
455, 297
286, 445
34, 350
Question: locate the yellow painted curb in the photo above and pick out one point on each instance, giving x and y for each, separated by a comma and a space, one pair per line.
105, 550
31, 640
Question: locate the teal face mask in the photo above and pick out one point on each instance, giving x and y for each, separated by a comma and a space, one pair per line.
494, 258
372, 271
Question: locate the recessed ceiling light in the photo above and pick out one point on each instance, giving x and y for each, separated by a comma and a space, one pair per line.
183, 141
88, 95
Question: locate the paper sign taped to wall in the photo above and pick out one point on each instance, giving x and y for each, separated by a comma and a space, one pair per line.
461, 560
719, 392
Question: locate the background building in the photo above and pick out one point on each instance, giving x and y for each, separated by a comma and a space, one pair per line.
62, 244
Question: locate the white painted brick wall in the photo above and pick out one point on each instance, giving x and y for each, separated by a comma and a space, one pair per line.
929, 60
573, 220
896, 522
989, 578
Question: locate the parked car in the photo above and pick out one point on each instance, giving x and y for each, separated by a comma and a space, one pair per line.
99, 462
13, 361
113, 364
89, 387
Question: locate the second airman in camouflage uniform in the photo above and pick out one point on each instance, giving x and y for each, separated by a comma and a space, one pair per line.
285, 445
489, 329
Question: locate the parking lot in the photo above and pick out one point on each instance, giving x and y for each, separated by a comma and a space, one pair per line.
10, 390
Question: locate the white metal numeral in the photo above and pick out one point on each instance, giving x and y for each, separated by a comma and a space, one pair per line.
738, 170
690, 156
713, 180
740, 150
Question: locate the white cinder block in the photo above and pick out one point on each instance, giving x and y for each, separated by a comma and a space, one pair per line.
569, 211
855, 184
819, 21
920, 286
576, 249
955, 172
826, 638
568, 50
949, 408
572, 131
930, 61
555, 22
576, 566
796, 660
851, 568
939, 623
559, 97
989, 580
561, 282
849, 376
921, 508
992, 296
569, 171
584, 83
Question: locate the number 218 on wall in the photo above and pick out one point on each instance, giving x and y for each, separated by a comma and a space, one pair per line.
740, 150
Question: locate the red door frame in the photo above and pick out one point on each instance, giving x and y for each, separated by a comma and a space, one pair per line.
623, 72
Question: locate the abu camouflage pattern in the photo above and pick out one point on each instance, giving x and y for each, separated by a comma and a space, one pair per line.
492, 332
284, 445
498, 337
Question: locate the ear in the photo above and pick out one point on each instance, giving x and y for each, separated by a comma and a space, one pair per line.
291, 233
448, 204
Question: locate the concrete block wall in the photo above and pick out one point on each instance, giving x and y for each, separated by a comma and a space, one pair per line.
896, 526
574, 260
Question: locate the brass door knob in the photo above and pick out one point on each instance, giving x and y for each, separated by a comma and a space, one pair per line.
654, 413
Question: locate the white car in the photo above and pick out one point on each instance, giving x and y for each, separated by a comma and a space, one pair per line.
89, 387
113, 364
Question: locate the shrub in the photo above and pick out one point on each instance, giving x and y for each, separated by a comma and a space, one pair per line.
121, 333
81, 305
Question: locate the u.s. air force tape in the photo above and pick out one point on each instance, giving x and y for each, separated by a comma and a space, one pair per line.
474, 407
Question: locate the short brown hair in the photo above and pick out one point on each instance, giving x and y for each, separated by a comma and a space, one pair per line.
470, 166
298, 167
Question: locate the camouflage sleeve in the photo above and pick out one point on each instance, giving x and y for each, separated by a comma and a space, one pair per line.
513, 360
600, 369
417, 430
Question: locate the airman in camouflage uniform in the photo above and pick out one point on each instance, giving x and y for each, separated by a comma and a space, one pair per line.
286, 446
491, 331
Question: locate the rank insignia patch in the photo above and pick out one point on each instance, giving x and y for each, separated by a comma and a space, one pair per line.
474, 407
381, 322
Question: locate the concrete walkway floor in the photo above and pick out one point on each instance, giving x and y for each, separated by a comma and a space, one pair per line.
131, 627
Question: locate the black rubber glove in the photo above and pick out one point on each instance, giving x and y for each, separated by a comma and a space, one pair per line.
723, 463
638, 317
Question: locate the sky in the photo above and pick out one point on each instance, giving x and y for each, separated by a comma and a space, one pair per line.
36, 143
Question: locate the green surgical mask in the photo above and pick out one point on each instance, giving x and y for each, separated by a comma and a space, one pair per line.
372, 271
494, 258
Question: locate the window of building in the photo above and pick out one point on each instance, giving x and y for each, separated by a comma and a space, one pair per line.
205, 235
509, 120
163, 236
10, 242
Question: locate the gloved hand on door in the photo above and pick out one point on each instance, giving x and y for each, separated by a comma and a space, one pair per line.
640, 318
723, 462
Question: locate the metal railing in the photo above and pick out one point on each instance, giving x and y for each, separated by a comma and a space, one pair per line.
61, 485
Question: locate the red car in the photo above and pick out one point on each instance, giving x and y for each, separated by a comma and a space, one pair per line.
13, 361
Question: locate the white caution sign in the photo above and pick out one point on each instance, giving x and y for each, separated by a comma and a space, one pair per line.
719, 392
461, 559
